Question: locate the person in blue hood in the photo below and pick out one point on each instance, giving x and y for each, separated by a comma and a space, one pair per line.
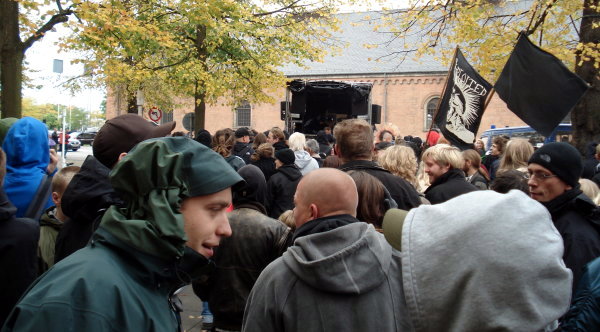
27, 160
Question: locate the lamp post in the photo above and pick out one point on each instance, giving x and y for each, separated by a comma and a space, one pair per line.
57, 67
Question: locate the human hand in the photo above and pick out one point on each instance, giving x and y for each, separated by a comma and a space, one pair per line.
53, 162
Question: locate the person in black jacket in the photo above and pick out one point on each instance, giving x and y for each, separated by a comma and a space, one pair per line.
90, 193
277, 138
282, 185
86, 198
242, 147
255, 242
263, 159
554, 171
443, 164
18, 251
354, 146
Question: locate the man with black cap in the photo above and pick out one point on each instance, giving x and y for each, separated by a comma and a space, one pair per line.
242, 147
554, 171
255, 242
90, 193
176, 194
282, 185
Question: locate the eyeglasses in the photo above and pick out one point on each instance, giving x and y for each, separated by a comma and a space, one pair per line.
541, 176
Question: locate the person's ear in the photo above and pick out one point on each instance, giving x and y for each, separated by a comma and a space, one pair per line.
121, 156
56, 198
314, 211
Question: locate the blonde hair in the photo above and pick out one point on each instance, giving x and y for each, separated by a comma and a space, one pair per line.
590, 189
516, 154
297, 142
445, 155
287, 218
422, 178
62, 178
401, 161
264, 150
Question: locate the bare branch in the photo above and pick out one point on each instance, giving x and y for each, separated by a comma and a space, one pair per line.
60, 17
541, 19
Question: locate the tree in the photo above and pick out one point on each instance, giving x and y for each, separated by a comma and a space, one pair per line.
76, 117
31, 19
205, 49
487, 30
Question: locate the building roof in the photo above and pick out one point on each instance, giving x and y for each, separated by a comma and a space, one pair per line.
356, 31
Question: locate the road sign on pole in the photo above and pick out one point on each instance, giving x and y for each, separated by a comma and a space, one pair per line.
155, 114
188, 122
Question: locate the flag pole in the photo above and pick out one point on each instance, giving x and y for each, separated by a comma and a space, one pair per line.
437, 109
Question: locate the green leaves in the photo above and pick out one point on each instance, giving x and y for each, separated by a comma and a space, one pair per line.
222, 48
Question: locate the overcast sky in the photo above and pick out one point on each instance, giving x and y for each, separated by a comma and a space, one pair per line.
41, 55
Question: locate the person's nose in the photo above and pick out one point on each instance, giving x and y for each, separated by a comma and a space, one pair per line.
224, 229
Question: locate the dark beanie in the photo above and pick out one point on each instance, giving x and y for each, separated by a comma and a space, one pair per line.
203, 137
561, 159
286, 156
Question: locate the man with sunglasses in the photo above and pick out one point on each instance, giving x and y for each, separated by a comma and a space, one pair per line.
554, 172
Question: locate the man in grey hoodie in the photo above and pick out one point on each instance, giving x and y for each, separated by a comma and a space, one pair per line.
340, 274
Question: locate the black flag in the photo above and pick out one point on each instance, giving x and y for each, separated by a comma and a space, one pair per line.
462, 105
538, 87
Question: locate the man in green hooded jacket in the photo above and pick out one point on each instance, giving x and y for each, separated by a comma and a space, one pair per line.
176, 192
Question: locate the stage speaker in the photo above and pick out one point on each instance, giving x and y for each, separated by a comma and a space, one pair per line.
282, 111
375, 114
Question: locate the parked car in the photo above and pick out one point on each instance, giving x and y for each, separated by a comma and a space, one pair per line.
87, 137
73, 144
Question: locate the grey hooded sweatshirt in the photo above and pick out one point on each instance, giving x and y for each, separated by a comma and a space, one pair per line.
484, 261
346, 279
305, 162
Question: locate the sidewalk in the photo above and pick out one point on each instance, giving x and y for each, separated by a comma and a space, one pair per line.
191, 320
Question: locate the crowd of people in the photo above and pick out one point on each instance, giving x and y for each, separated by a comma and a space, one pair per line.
354, 229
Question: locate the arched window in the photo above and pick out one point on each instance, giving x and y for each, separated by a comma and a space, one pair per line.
243, 116
430, 108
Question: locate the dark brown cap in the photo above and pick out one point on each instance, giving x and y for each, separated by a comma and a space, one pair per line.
122, 133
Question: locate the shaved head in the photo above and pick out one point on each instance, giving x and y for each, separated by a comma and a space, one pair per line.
324, 192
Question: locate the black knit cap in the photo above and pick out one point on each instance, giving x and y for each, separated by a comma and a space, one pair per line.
241, 132
561, 159
286, 156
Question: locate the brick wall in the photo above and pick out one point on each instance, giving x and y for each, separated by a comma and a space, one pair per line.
403, 99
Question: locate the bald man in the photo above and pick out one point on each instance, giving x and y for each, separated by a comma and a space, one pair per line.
340, 274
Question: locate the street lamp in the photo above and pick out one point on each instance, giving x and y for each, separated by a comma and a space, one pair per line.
57, 67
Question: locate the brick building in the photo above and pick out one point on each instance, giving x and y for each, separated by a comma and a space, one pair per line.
407, 90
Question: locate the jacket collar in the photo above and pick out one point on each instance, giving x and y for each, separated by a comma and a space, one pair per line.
453, 173
361, 164
161, 273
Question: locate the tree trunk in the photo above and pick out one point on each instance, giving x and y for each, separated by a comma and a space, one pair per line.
199, 112
11, 60
585, 117
132, 103
199, 93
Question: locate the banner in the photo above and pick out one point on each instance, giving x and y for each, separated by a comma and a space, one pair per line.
538, 87
462, 105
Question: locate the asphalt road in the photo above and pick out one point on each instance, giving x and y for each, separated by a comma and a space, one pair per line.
192, 306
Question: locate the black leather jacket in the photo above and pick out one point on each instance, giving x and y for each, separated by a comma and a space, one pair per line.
255, 242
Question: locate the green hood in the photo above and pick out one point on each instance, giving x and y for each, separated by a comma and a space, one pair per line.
154, 179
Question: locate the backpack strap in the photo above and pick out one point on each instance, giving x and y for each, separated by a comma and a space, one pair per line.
36, 207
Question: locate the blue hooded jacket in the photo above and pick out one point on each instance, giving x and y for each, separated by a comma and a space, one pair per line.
27, 157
